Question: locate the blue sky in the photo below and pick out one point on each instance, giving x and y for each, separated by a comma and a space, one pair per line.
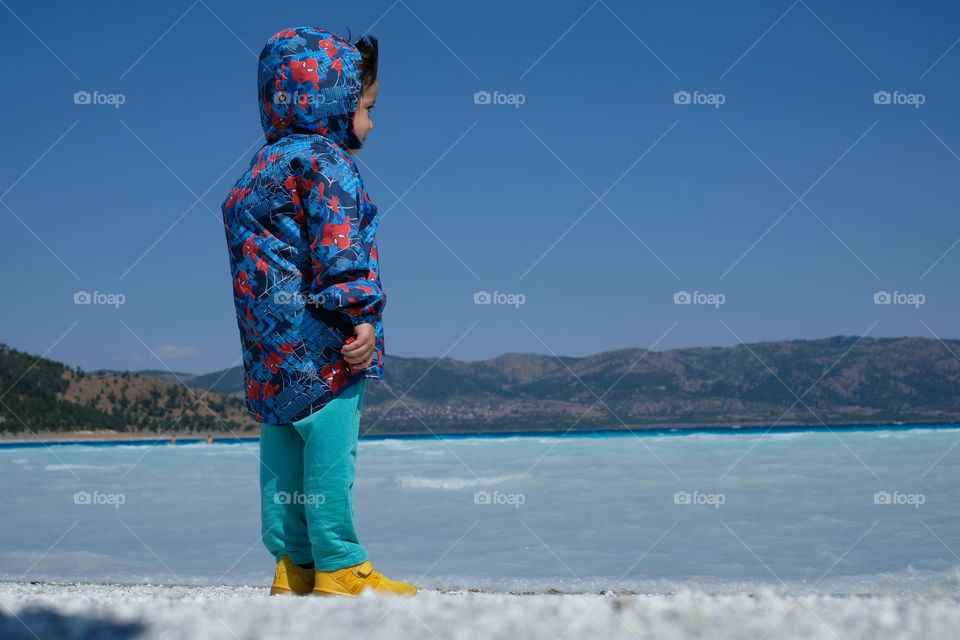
596, 201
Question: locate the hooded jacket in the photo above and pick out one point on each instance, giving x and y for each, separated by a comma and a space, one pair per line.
301, 232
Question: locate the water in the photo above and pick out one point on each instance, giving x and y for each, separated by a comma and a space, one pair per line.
797, 511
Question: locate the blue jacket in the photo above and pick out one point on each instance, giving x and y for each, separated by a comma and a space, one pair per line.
301, 231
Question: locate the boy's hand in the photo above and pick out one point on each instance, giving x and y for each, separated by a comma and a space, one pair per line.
358, 352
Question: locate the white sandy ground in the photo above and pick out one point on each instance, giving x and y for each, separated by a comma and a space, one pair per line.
104, 611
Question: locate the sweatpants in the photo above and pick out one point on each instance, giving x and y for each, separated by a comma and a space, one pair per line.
307, 470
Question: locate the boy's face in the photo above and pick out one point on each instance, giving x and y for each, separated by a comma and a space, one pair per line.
362, 124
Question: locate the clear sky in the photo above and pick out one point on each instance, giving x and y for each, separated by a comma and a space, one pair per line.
781, 186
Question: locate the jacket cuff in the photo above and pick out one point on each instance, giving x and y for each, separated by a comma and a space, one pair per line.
368, 317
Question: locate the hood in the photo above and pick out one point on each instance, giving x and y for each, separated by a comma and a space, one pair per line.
309, 82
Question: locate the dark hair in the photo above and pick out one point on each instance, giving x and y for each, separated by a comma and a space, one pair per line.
369, 48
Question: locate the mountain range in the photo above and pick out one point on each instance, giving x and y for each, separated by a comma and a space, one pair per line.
829, 381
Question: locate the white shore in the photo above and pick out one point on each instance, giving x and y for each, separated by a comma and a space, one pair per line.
60, 610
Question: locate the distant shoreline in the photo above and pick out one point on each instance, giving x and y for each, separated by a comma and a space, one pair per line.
106, 436
116, 438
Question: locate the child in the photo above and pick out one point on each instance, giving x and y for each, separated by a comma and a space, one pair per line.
303, 255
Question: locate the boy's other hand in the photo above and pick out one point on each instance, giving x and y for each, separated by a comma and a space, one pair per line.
359, 353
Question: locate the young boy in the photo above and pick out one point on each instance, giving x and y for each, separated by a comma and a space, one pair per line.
303, 255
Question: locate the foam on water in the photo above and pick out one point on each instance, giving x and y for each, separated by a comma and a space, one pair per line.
70, 467
421, 482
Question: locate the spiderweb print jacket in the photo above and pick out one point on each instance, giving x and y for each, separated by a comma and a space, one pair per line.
301, 232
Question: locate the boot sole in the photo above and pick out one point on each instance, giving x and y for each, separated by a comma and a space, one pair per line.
283, 591
327, 594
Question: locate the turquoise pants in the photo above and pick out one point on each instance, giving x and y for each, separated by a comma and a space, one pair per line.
307, 469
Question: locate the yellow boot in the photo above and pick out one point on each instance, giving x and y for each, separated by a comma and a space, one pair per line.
350, 581
291, 578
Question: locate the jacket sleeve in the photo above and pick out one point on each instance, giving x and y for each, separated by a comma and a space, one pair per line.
342, 278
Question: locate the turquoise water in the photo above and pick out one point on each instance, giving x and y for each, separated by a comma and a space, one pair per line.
863, 510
